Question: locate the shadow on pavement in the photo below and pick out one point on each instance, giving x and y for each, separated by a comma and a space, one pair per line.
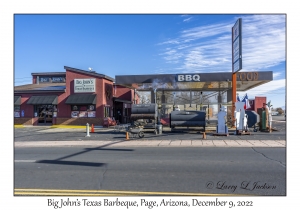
61, 160
74, 163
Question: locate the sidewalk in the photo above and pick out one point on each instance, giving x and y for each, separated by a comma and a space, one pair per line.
157, 143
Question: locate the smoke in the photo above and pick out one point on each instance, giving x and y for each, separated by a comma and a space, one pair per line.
168, 83
160, 84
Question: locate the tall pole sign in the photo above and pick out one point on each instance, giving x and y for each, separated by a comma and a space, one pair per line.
236, 60
237, 46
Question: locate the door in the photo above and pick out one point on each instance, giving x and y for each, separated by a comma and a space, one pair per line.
45, 114
119, 115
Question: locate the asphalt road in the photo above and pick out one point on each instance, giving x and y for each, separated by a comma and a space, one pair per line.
246, 171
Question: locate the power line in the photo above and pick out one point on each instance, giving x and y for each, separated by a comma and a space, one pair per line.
22, 77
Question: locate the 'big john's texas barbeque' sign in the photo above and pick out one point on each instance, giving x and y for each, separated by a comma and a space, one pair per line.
84, 85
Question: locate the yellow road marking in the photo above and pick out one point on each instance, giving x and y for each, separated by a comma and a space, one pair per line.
108, 193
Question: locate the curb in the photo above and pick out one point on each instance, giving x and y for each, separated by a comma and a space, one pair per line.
18, 126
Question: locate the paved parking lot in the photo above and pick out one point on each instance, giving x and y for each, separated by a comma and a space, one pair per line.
180, 137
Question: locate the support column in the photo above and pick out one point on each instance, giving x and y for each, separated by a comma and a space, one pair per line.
152, 96
233, 97
134, 99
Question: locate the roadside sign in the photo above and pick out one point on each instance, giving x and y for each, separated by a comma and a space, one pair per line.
237, 46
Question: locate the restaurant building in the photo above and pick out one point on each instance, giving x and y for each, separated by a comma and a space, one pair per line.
73, 97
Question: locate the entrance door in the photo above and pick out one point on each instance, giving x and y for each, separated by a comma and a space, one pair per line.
119, 115
45, 114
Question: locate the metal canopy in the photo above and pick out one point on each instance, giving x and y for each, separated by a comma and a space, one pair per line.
43, 100
77, 99
207, 82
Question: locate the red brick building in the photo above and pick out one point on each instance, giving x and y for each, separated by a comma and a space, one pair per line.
73, 97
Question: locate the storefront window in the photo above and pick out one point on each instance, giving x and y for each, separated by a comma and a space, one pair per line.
17, 110
83, 111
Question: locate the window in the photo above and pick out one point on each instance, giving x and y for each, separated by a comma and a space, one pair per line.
17, 110
106, 111
83, 111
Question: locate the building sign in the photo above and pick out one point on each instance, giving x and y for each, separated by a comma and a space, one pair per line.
236, 50
188, 78
44, 79
74, 108
74, 114
91, 114
247, 76
84, 85
91, 107
237, 46
53, 79
237, 65
83, 114
17, 114
58, 79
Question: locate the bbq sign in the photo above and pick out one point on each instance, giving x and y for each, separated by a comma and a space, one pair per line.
188, 78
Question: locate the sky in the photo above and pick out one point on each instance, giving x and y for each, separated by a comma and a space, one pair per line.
137, 44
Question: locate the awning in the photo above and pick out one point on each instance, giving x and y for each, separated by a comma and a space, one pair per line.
77, 99
17, 100
122, 100
43, 100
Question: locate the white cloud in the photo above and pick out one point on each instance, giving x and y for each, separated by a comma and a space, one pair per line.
187, 19
208, 48
277, 74
269, 88
274, 91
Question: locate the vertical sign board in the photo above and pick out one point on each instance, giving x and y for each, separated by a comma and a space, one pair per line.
236, 60
237, 46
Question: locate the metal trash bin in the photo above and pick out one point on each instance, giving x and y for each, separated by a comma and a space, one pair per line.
159, 128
